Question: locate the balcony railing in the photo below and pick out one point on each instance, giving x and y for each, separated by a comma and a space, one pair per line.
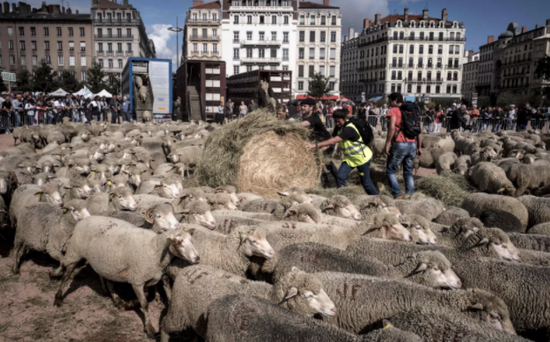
266, 60
206, 53
453, 66
116, 21
208, 38
113, 36
192, 21
260, 42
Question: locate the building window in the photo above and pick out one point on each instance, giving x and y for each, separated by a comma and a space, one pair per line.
285, 67
273, 36
312, 20
262, 20
235, 19
204, 48
214, 17
418, 89
71, 32
301, 85
323, 20
71, 61
129, 47
21, 31
249, 36
10, 33
302, 36
22, 45
109, 47
274, 19
33, 31
82, 32
273, 53
204, 33
46, 31
119, 47
47, 45
236, 36
322, 70
332, 53
236, 53
236, 70
12, 59
215, 48
322, 53
302, 20
312, 36
421, 49
301, 53
300, 71
34, 60
59, 46
33, 45
454, 89
48, 59
249, 68
261, 52
214, 33
82, 60
249, 52
311, 53
451, 48
110, 63
285, 37
59, 32
333, 20
411, 48
285, 54
332, 72
333, 37
120, 64
60, 60
430, 49
323, 37
23, 60
311, 70
262, 36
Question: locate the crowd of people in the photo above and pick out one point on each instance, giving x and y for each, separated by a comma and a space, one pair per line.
28, 109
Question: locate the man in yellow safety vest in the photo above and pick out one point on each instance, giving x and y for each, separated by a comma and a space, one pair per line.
356, 153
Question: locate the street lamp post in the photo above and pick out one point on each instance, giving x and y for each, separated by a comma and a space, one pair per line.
177, 29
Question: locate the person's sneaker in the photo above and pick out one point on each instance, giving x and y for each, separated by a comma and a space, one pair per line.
400, 197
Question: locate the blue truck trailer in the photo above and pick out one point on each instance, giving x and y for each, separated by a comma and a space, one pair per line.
147, 83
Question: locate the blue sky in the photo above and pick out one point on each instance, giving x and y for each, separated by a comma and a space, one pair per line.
481, 17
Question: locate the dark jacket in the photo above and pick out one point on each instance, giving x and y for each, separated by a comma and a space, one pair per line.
457, 120
523, 116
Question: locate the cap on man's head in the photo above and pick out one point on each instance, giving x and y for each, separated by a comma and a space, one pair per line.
512, 106
309, 102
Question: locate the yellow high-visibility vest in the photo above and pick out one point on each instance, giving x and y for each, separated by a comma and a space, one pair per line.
356, 153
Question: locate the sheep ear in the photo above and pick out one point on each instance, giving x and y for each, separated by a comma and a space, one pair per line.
483, 242
406, 224
148, 217
283, 193
38, 194
292, 292
328, 207
476, 306
372, 229
420, 268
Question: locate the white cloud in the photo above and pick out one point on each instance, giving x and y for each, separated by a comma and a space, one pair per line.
161, 36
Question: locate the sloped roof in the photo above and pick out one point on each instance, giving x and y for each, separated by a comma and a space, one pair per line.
107, 4
309, 4
210, 5
395, 17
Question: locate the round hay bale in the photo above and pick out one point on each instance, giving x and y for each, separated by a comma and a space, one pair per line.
259, 154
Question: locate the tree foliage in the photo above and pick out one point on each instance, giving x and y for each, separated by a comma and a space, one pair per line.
318, 86
68, 82
43, 80
113, 84
543, 68
94, 78
24, 80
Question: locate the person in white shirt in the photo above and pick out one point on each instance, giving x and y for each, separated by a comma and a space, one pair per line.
95, 106
30, 110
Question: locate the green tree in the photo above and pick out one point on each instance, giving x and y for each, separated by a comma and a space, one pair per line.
94, 78
3, 86
68, 82
113, 84
543, 68
24, 80
43, 78
318, 86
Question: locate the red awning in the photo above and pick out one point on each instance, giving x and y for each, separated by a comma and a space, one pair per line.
324, 98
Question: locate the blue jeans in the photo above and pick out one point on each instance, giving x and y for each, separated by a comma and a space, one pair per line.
401, 153
364, 174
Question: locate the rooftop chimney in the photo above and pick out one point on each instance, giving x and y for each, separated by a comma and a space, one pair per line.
13, 7
69, 11
377, 18
366, 24
76, 11
345, 38
125, 2
326, 3
444, 15
425, 14
547, 22
6, 7
351, 32
524, 29
537, 26
197, 2
63, 9
406, 14
490, 39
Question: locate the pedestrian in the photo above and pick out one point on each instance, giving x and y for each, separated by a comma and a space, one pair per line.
94, 107
511, 117
50, 109
243, 109
282, 112
402, 144
17, 111
126, 110
438, 119
293, 110
383, 117
252, 106
229, 110
474, 116
497, 119
318, 131
113, 106
362, 112
458, 121
178, 113
524, 115
30, 108
430, 116
330, 120
220, 115
7, 112
356, 153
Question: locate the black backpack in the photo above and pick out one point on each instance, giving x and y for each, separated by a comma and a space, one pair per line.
365, 130
410, 120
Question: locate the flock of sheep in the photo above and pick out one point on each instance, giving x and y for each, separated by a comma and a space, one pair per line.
238, 267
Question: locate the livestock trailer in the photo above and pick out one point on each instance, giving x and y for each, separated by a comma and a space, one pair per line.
248, 86
201, 87
147, 83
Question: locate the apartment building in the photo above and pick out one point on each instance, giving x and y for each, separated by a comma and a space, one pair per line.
119, 33
258, 35
485, 77
416, 55
470, 75
51, 33
319, 39
202, 34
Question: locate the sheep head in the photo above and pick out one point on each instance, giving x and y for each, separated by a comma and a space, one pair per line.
199, 212
434, 270
254, 243
77, 209
462, 228
390, 227
304, 212
51, 193
303, 293
488, 308
419, 228
229, 190
340, 206
299, 193
162, 217
221, 201
179, 244
171, 186
79, 189
123, 199
495, 240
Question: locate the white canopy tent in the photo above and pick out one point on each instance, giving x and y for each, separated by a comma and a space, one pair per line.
104, 93
84, 91
59, 92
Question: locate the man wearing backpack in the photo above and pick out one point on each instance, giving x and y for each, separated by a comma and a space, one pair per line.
403, 142
352, 137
